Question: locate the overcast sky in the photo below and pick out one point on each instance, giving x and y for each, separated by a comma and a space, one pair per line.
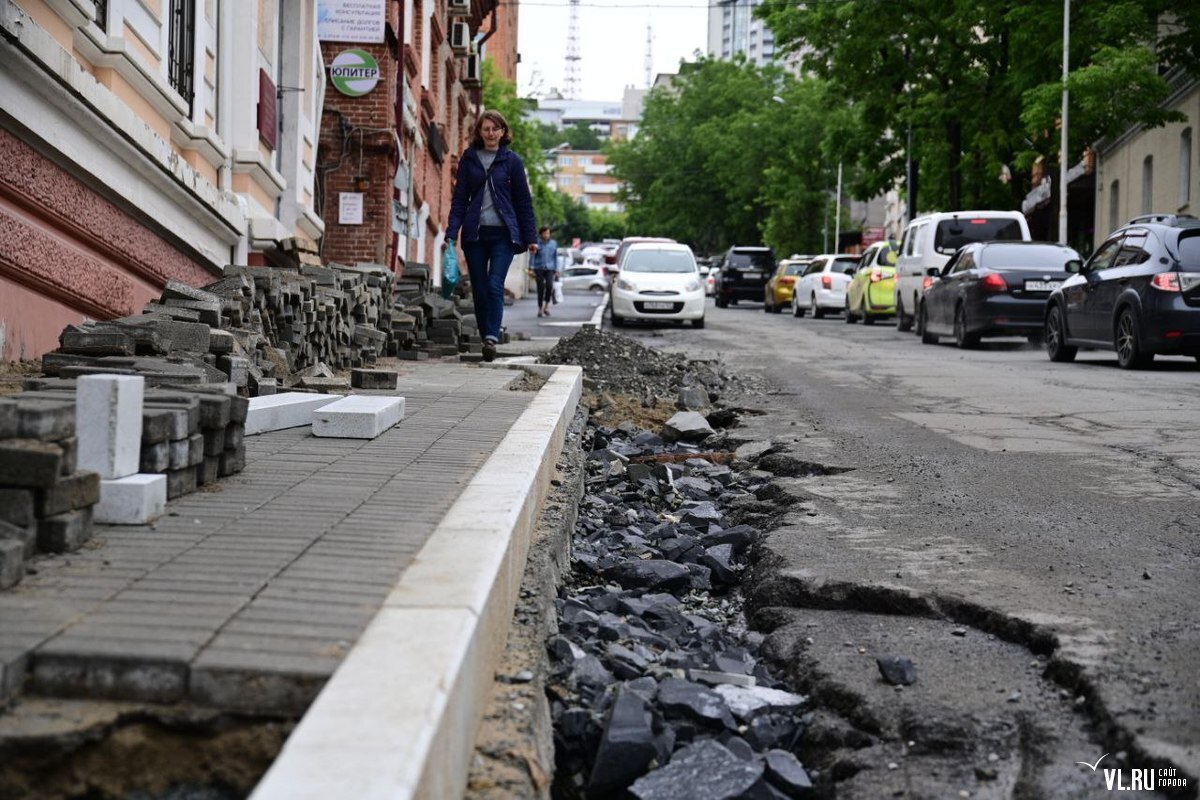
612, 42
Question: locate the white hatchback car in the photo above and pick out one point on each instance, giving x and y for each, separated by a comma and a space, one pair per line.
658, 281
822, 287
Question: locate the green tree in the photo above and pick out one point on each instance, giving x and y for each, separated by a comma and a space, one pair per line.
730, 154
978, 82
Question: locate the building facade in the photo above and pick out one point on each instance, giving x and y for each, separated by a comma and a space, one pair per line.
733, 28
148, 141
1154, 170
586, 176
388, 155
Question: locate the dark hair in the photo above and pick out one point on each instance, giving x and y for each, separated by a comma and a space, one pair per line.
496, 118
543, 228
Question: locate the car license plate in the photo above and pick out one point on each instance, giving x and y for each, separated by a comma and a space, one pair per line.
752, 275
658, 306
1042, 286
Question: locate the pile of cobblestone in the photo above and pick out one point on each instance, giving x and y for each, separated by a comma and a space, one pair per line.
191, 435
45, 499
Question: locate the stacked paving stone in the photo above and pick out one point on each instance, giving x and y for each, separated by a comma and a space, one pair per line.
45, 499
655, 694
424, 324
191, 433
255, 328
339, 315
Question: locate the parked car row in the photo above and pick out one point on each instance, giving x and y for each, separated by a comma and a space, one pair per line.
976, 274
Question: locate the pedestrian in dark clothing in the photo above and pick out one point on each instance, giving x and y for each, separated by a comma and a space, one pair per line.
545, 270
493, 209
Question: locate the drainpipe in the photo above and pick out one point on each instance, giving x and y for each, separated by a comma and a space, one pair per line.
401, 78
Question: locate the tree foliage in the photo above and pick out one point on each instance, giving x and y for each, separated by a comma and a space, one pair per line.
730, 154
978, 82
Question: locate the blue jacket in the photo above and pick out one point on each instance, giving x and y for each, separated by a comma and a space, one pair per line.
510, 193
546, 257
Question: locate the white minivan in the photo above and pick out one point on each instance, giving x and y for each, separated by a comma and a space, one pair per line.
930, 240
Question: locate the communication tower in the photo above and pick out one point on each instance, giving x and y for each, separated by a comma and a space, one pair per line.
571, 75
649, 62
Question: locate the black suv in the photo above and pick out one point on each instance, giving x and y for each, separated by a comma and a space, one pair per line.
744, 274
1139, 294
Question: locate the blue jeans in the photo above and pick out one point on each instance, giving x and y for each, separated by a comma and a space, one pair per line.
488, 258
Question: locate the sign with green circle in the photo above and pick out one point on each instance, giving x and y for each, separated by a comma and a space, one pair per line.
354, 72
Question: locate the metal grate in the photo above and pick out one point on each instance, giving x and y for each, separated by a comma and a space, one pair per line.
181, 49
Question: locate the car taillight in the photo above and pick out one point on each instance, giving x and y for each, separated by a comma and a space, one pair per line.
1166, 281
926, 283
993, 283
876, 275
787, 281
826, 282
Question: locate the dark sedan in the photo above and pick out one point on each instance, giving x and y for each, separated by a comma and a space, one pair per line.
1139, 294
994, 289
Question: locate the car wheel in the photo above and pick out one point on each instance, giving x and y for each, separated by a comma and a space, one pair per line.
596, 288
868, 319
767, 305
1130, 354
797, 310
903, 321
817, 311
923, 327
962, 337
721, 302
618, 322
733, 301
777, 309
850, 318
1056, 337
698, 323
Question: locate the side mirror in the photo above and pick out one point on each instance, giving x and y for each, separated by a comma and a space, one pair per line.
1074, 267
933, 272
849, 271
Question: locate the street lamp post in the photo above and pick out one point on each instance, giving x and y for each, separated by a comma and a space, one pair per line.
1062, 151
837, 214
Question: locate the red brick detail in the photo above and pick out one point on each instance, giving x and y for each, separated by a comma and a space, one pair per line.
64, 203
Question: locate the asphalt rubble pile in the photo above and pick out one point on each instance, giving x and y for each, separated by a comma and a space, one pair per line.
658, 691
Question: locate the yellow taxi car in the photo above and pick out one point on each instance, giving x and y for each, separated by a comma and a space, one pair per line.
871, 293
778, 292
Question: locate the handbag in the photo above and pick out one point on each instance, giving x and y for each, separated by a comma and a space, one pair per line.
558, 289
450, 272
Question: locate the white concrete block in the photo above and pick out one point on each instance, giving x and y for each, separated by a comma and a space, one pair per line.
108, 414
286, 410
134, 500
358, 416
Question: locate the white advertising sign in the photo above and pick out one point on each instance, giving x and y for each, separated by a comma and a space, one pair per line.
351, 20
350, 208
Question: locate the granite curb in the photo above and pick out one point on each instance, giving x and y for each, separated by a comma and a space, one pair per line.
398, 718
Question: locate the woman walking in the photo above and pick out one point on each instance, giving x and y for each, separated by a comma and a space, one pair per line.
493, 209
545, 270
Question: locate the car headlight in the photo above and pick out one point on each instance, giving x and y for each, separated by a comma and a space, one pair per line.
625, 285
692, 286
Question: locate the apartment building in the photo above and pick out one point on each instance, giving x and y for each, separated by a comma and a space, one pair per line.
586, 176
733, 28
144, 141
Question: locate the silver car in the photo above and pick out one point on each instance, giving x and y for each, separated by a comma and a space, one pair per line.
585, 278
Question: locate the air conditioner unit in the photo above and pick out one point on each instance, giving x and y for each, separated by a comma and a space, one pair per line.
459, 8
460, 37
473, 75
